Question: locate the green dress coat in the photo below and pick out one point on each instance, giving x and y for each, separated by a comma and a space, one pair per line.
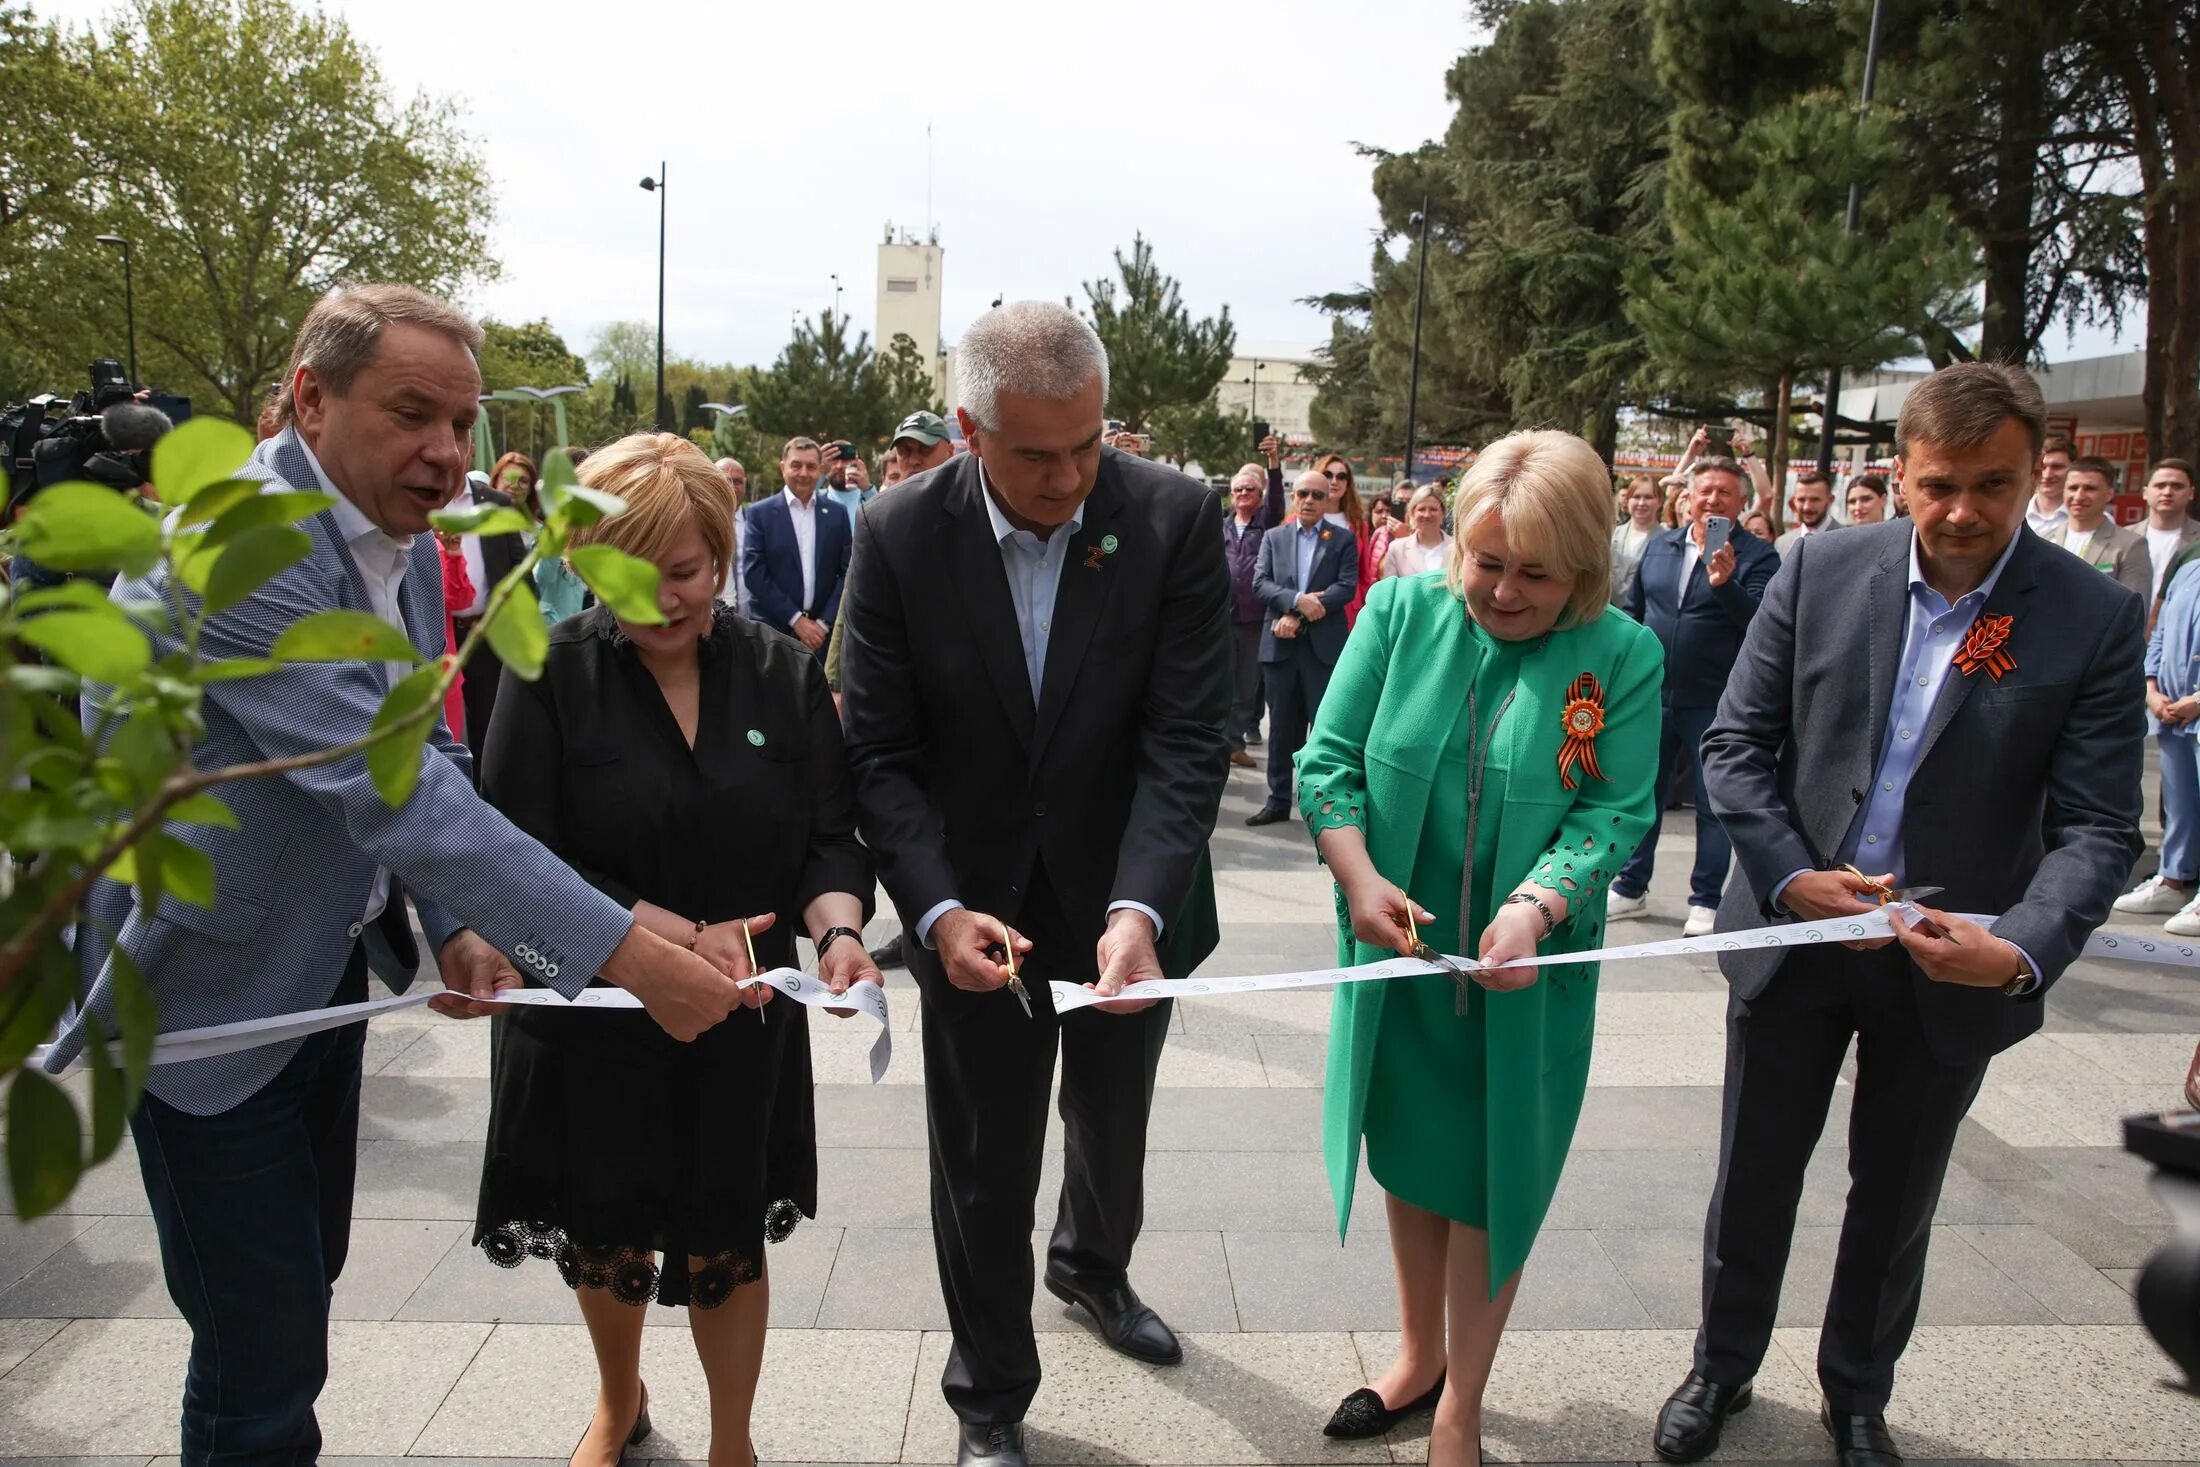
1387, 754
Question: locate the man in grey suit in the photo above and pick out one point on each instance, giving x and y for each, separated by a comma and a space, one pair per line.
1304, 579
248, 1158
1944, 700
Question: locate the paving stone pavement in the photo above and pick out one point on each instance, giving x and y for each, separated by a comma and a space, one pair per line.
2028, 1348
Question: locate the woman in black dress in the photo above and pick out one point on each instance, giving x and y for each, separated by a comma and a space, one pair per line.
693, 771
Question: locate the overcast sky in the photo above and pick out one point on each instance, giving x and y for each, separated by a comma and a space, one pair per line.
794, 132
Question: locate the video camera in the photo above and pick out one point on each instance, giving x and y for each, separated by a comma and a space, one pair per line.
46, 442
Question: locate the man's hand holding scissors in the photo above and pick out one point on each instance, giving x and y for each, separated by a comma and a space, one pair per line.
971, 949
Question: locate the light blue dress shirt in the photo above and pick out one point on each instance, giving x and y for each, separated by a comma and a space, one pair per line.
1932, 633
2173, 651
1034, 568
1309, 541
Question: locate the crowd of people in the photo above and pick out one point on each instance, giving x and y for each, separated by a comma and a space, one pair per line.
1010, 686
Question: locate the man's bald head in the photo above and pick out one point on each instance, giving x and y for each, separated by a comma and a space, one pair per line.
1310, 496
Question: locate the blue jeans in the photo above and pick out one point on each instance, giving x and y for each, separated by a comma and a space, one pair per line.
2180, 806
1680, 738
253, 1209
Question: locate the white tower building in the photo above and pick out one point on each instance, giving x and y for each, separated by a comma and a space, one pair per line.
909, 287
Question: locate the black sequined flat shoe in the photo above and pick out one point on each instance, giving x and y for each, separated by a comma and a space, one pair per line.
1363, 1414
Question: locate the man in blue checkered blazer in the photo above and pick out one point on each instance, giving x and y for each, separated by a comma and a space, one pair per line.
248, 1159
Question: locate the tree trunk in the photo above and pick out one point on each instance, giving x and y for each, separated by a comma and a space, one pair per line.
2004, 330
2151, 66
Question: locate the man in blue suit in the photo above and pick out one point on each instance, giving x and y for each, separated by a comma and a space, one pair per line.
1306, 574
1699, 607
795, 555
248, 1158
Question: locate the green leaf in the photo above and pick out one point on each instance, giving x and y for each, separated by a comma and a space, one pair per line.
518, 634
203, 809
216, 499
44, 1155
88, 527
557, 479
186, 872
38, 678
145, 749
196, 455
394, 762
110, 1107
481, 519
103, 646
627, 585
232, 667
37, 1000
68, 593
264, 509
343, 636
249, 561
137, 1019
584, 506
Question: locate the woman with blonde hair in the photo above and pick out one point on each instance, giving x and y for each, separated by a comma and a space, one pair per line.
1487, 744
1420, 546
644, 1168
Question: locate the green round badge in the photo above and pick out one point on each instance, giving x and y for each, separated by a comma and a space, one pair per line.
756, 737
1107, 545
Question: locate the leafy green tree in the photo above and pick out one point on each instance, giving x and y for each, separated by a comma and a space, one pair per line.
1205, 434
824, 384
1158, 355
123, 801
254, 156
907, 379
1347, 413
527, 355
1768, 286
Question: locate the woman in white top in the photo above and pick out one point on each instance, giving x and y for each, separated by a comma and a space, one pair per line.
1426, 548
1632, 534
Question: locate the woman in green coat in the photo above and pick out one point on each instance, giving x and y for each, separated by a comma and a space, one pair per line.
1487, 743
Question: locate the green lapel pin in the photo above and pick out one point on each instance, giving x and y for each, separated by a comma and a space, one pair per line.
756, 737
1108, 544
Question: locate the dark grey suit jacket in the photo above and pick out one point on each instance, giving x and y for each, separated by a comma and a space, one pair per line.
2025, 802
1334, 576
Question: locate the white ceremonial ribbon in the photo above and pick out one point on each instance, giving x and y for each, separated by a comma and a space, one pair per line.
218, 1039
869, 998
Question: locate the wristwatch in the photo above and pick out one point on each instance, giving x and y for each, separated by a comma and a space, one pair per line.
2026, 982
832, 935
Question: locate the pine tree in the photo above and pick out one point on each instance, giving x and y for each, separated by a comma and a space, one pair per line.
1158, 356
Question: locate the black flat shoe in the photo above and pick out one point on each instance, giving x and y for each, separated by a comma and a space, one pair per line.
991, 1444
1363, 1414
1692, 1417
1268, 815
1125, 1322
1860, 1441
889, 955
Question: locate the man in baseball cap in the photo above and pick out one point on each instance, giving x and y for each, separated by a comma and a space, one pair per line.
921, 443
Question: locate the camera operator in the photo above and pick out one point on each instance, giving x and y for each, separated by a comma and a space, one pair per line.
124, 434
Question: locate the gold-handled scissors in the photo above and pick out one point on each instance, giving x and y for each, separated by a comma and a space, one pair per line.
1427, 954
750, 943
1887, 896
1015, 984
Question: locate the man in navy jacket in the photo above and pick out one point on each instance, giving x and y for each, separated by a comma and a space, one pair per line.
795, 554
1699, 607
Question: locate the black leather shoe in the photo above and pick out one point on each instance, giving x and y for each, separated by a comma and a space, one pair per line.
1125, 1322
1363, 1414
1692, 1417
889, 955
1268, 815
991, 1444
1860, 1441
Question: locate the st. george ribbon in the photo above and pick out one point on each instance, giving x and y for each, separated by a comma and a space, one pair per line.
868, 998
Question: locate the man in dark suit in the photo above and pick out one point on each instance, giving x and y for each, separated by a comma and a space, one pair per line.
794, 556
1699, 606
489, 559
1307, 572
1255, 507
1035, 674
1949, 700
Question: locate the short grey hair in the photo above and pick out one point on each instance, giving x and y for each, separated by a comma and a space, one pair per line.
341, 333
1031, 348
1253, 476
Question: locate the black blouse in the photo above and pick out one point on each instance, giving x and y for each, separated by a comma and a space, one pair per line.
759, 816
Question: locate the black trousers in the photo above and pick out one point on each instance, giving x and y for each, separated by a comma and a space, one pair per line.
253, 1211
1245, 697
479, 695
1783, 1053
1295, 687
987, 1073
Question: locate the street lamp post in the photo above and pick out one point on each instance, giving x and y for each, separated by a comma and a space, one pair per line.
129, 298
836, 299
663, 412
1413, 379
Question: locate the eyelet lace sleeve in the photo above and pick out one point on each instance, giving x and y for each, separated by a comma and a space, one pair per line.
1330, 801
1583, 863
